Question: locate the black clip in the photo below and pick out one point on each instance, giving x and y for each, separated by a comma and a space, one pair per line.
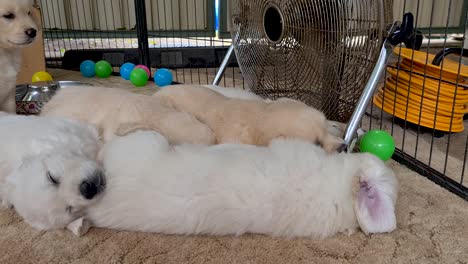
405, 33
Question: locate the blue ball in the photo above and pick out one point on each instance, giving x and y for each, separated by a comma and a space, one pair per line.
126, 69
87, 68
163, 77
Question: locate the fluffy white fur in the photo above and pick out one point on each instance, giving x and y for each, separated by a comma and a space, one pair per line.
118, 112
16, 31
34, 153
290, 188
256, 122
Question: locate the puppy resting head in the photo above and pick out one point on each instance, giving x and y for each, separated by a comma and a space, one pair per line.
17, 27
50, 191
375, 194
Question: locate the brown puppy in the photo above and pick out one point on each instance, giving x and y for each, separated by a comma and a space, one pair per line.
254, 122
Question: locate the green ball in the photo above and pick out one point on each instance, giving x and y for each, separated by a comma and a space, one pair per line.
378, 142
139, 77
103, 69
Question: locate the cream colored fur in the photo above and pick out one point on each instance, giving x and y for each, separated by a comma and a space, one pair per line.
335, 128
289, 188
118, 112
15, 20
247, 121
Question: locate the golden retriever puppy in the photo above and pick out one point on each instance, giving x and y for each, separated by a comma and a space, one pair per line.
17, 30
254, 122
119, 112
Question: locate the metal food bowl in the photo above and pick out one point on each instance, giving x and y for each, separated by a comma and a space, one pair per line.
30, 98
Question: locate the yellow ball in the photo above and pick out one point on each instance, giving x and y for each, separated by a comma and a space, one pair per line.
42, 76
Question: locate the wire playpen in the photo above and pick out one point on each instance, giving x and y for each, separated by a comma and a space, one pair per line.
422, 100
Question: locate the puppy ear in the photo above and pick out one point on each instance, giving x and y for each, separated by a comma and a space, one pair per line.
336, 129
374, 206
127, 128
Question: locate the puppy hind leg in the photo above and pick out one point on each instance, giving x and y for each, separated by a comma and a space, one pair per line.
127, 128
5, 170
180, 127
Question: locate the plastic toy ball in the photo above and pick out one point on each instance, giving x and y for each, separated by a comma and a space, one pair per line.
41, 76
87, 68
378, 142
163, 77
141, 66
139, 77
126, 69
103, 69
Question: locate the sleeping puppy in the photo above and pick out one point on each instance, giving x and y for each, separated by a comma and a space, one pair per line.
48, 169
290, 188
17, 30
118, 112
334, 128
249, 121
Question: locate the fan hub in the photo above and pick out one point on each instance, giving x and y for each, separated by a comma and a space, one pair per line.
273, 25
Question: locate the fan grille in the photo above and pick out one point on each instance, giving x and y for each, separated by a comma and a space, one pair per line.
320, 52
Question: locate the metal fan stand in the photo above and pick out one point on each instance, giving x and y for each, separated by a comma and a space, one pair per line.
398, 34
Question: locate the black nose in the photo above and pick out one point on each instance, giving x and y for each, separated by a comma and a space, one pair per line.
31, 32
90, 187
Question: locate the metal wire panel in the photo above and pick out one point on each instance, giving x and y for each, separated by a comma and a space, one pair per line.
318, 51
437, 154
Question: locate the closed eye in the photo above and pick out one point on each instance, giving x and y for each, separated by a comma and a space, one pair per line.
69, 209
52, 179
9, 16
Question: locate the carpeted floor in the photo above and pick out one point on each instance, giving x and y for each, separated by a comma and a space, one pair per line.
432, 228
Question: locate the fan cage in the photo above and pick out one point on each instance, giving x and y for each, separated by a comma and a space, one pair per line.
322, 53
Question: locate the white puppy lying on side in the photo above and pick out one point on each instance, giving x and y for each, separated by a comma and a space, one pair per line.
48, 170
289, 188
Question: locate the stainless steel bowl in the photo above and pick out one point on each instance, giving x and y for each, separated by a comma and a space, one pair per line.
30, 98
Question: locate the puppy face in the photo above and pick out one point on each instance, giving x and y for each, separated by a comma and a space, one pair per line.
17, 27
51, 191
376, 189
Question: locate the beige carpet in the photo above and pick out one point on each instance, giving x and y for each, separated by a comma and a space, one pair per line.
432, 228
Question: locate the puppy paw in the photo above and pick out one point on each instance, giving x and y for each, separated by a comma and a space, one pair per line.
350, 231
79, 227
332, 144
4, 204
